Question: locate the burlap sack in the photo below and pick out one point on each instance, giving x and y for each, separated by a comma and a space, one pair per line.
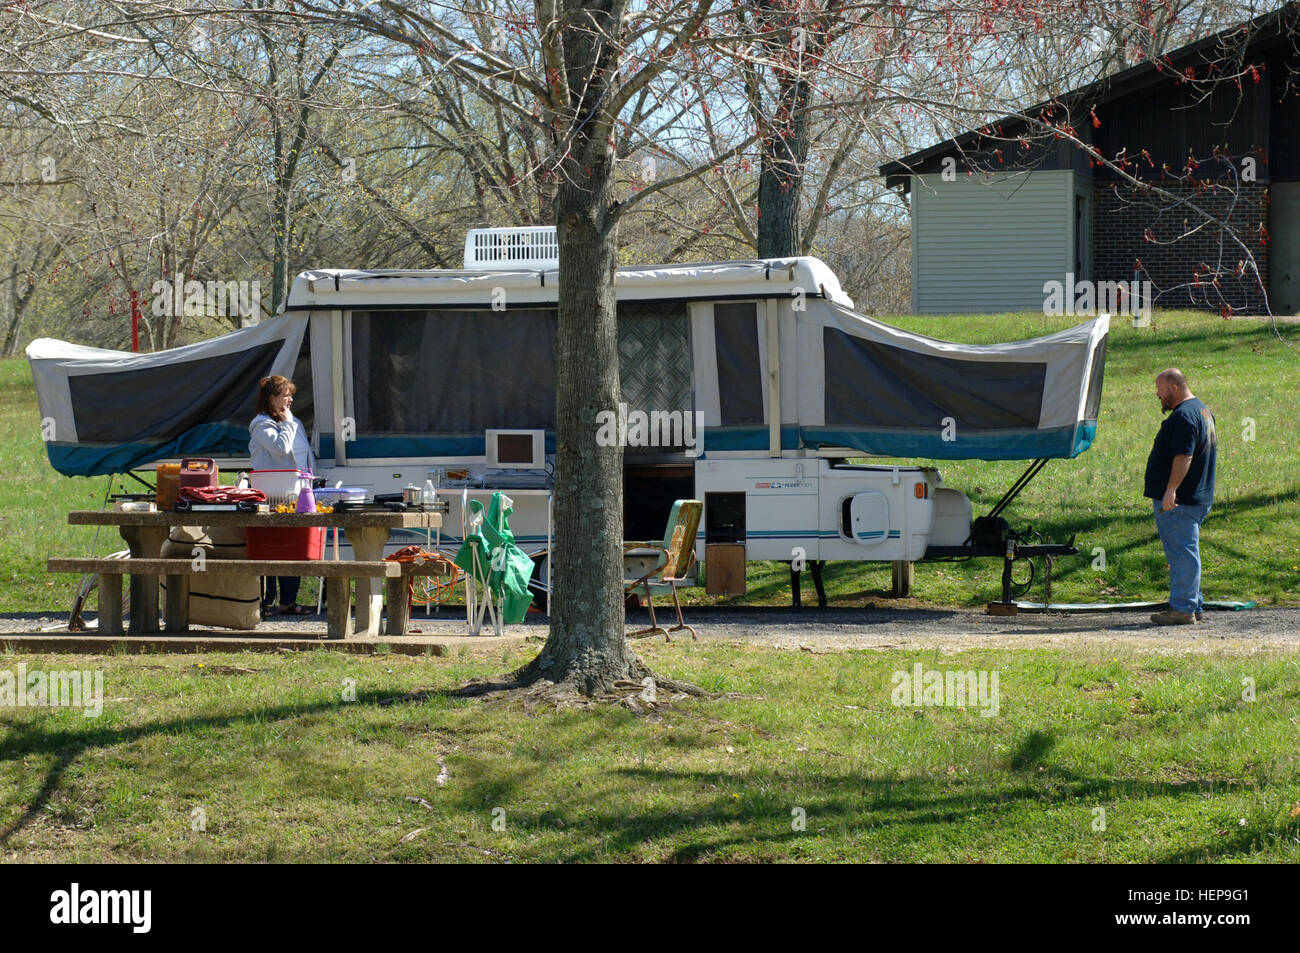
232, 602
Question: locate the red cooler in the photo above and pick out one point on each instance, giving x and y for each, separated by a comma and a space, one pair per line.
285, 542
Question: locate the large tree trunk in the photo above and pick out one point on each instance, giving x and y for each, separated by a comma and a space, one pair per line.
780, 181
587, 649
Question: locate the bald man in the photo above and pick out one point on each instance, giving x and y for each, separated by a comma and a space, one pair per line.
1180, 482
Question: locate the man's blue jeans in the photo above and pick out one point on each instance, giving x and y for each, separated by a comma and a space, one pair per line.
1180, 533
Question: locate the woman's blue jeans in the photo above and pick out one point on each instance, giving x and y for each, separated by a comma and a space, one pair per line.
1180, 534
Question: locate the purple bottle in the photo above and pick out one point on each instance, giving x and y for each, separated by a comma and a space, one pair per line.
306, 498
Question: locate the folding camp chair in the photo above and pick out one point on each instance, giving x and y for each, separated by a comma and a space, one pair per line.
494, 564
676, 557
475, 557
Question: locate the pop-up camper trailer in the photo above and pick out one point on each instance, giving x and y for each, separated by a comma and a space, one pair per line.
404, 375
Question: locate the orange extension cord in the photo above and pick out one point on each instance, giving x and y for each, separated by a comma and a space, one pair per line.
432, 591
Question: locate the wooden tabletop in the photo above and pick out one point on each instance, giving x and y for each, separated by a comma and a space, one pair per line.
403, 520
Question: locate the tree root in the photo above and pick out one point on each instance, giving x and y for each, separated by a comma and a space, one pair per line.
535, 685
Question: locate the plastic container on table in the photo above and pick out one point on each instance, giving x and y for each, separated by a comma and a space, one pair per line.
306, 499
332, 495
280, 486
199, 472
167, 485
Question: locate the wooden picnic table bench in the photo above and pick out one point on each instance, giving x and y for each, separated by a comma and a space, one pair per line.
145, 533
337, 574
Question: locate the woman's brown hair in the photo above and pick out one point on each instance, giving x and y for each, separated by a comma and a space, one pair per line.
273, 386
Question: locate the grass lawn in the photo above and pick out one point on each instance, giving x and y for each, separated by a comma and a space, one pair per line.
1091, 757
1251, 542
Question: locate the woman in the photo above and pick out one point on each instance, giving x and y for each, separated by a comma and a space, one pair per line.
278, 441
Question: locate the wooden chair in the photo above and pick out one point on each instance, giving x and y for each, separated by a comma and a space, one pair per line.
676, 558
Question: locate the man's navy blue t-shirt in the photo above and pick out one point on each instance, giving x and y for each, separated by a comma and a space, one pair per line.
1188, 430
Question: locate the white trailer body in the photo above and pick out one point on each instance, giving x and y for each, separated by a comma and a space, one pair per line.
822, 509
404, 374
813, 508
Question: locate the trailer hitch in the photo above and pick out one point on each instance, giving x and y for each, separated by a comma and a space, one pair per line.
992, 536
1016, 550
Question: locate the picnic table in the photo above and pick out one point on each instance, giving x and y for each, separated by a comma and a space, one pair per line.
367, 532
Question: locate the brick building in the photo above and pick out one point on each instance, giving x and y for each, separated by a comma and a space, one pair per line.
1001, 212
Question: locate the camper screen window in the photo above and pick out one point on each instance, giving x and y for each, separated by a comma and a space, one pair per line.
1093, 404
453, 372
126, 406
740, 374
869, 384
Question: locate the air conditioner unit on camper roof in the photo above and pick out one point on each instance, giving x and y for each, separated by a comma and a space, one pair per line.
511, 249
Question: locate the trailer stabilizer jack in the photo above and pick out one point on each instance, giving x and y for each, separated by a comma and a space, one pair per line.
816, 566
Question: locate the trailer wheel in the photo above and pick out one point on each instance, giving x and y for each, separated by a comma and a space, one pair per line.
901, 586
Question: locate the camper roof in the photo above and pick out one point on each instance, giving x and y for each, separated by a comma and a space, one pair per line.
713, 281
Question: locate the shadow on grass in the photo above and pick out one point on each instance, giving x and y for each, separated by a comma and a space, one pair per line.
846, 800
1032, 751
839, 802
68, 746
1240, 842
843, 805
1169, 340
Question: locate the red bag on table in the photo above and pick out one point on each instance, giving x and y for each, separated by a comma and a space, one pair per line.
220, 494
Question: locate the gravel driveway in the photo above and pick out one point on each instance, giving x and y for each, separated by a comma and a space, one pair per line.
832, 629
828, 630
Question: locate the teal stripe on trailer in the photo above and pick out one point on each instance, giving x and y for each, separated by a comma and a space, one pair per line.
747, 438
1019, 445
379, 446
1062, 442
809, 534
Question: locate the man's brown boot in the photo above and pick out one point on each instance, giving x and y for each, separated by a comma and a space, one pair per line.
1170, 617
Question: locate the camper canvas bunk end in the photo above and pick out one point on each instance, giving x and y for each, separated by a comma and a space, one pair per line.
745, 384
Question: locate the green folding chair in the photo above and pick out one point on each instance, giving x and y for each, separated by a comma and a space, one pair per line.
494, 564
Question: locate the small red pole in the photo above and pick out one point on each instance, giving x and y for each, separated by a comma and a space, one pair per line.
135, 320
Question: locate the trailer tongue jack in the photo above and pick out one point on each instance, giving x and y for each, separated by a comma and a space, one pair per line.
992, 536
